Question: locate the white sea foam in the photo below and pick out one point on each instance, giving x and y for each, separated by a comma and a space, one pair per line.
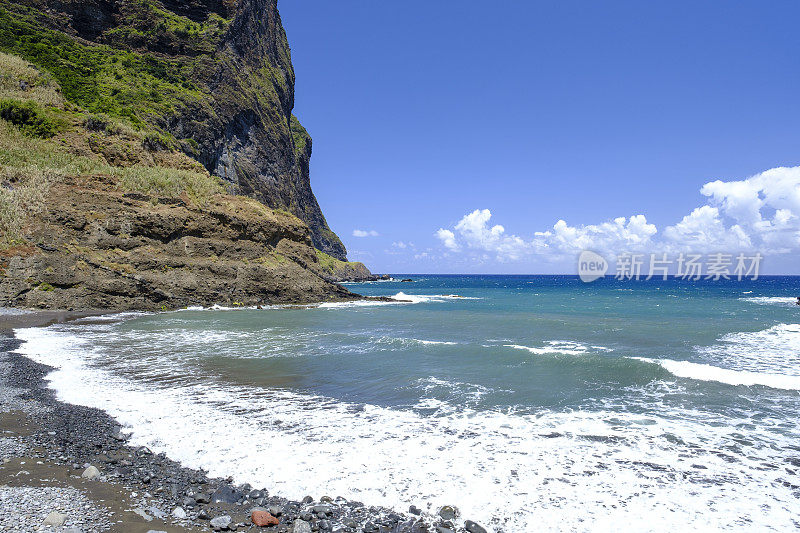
771, 300
386, 339
703, 372
567, 471
399, 298
775, 350
559, 347
769, 357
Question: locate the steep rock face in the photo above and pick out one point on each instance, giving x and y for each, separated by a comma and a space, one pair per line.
221, 84
100, 248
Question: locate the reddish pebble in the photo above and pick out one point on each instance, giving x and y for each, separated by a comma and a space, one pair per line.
263, 518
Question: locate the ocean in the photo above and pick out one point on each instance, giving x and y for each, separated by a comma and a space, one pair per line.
529, 402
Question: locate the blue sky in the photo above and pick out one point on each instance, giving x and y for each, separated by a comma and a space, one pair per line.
584, 112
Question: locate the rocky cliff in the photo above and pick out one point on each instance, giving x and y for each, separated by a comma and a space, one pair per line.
97, 213
210, 78
97, 247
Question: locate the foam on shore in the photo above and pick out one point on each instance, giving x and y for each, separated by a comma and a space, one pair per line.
546, 471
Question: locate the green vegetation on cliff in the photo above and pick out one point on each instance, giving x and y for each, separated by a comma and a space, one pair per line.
142, 87
43, 140
211, 78
96, 212
338, 270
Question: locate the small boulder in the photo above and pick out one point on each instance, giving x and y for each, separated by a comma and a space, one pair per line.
263, 518
472, 527
155, 511
55, 519
141, 512
179, 513
221, 522
91, 473
300, 526
448, 512
225, 494
275, 510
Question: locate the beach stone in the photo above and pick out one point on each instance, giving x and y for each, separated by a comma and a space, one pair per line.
326, 499
225, 494
154, 531
275, 510
55, 519
155, 511
179, 513
221, 522
414, 510
202, 498
472, 527
301, 526
448, 512
141, 512
91, 473
263, 518
308, 499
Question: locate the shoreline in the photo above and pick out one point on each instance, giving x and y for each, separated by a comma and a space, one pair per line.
47, 445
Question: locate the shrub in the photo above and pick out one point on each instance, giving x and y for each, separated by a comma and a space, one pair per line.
96, 123
156, 142
29, 118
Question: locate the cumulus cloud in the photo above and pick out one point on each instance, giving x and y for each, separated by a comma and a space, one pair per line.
365, 233
448, 238
759, 213
475, 231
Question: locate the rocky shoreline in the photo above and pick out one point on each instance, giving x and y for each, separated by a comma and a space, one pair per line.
53, 452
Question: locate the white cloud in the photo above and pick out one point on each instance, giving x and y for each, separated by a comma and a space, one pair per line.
365, 233
448, 238
474, 229
704, 230
759, 213
622, 233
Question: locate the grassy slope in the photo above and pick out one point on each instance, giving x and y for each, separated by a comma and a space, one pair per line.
140, 87
71, 142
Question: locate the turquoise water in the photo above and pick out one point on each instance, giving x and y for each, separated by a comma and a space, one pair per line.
527, 401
